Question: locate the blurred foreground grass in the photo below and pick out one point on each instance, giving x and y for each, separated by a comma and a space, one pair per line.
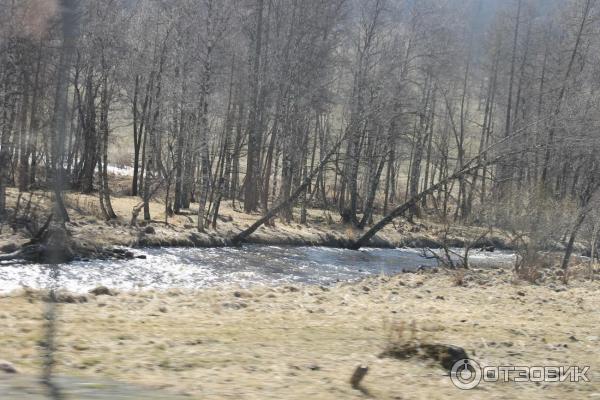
24, 387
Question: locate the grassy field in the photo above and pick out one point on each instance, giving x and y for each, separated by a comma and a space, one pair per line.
305, 342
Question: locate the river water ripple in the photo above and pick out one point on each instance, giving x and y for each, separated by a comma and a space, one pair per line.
195, 268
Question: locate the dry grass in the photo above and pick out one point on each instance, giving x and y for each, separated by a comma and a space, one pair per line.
277, 343
531, 262
458, 277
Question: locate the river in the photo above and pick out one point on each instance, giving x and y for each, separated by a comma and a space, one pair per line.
196, 268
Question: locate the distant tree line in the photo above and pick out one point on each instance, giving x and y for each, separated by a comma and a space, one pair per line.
243, 99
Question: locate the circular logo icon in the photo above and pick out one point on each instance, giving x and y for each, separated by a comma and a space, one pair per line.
465, 374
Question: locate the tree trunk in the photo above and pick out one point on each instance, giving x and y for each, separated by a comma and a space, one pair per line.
252, 185
104, 128
561, 94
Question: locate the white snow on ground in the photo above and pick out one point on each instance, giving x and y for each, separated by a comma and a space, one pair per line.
121, 171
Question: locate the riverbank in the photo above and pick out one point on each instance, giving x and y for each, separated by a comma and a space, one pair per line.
92, 237
298, 342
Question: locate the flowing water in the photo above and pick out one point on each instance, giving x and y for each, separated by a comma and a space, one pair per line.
195, 268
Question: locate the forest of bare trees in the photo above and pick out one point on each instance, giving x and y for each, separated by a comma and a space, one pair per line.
478, 112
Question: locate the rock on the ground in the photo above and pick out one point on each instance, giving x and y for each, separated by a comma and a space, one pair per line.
62, 297
102, 291
7, 367
9, 248
70, 298
242, 294
446, 355
358, 375
234, 305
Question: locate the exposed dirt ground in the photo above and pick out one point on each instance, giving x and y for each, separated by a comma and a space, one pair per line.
305, 342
